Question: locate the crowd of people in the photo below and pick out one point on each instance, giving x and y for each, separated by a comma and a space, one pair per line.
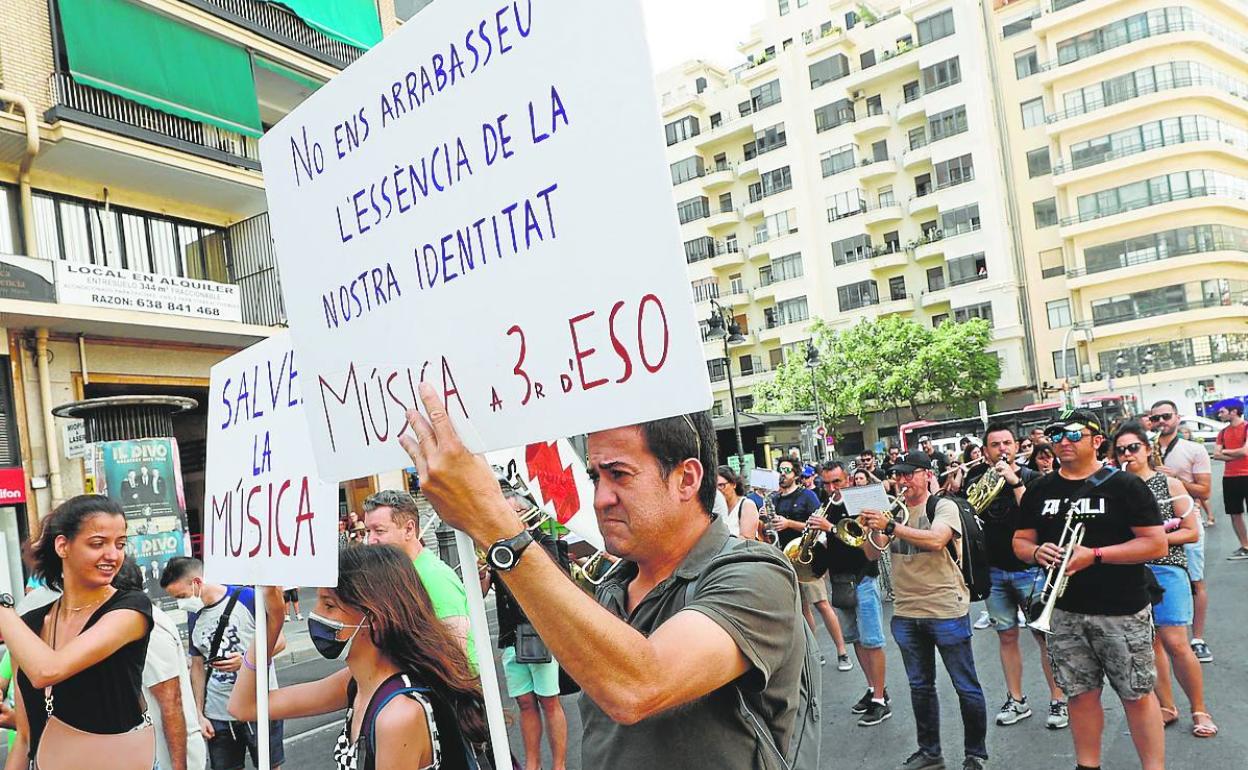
698, 647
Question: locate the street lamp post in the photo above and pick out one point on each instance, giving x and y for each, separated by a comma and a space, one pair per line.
1143, 358
812, 358
721, 326
1071, 397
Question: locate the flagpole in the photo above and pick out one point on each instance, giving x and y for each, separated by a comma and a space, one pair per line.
262, 683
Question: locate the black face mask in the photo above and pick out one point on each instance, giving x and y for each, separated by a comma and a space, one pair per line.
324, 634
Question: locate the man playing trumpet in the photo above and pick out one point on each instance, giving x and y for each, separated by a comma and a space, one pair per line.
1101, 625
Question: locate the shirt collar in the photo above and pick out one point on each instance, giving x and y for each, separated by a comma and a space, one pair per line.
706, 548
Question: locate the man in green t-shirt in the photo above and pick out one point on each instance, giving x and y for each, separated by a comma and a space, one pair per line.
391, 518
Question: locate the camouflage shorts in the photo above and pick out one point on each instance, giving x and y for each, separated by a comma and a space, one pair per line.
1087, 649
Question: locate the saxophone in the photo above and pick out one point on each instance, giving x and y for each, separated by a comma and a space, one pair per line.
768, 519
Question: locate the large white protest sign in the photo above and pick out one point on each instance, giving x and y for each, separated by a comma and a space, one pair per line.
268, 518
482, 202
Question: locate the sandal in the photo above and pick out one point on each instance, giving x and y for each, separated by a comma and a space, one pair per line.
1206, 729
1169, 715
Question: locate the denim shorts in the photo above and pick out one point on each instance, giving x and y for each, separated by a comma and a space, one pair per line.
1175, 607
1085, 650
1010, 592
865, 624
1196, 554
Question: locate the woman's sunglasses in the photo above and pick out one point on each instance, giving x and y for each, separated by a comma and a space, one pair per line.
1128, 449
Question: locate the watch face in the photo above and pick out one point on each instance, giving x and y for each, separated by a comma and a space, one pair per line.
502, 557
6, 600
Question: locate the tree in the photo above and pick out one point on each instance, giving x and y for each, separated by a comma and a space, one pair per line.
890, 364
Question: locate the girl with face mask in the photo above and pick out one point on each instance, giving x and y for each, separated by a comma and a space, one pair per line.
412, 701
80, 659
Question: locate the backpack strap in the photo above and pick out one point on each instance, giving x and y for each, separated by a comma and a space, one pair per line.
932, 502
399, 684
215, 645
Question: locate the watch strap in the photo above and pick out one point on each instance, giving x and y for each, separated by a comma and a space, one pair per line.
514, 546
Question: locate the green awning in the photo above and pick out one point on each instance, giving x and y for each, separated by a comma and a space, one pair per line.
152, 59
310, 83
354, 22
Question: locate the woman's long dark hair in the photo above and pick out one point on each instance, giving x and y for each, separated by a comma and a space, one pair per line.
379, 581
733, 478
67, 520
1132, 428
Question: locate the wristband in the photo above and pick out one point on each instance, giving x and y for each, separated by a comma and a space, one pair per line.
1171, 524
1096, 554
247, 661
1034, 553
890, 527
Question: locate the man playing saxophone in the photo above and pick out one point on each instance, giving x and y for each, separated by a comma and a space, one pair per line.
1101, 625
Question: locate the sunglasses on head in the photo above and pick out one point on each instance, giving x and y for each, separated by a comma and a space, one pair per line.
1128, 449
1160, 417
1057, 434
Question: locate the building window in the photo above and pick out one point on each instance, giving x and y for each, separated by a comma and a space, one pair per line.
857, 295
745, 403
10, 225
959, 220
1167, 244
1180, 185
866, 59
964, 314
762, 97
897, 288
875, 105
922, 185
1045, 212
1065, 364
939, 319
1038, 163
968, 269
851, 250
1019, 25
935, 27
935, 278
790, 311
776, 181
832, 115
838, 160
1033, 112
1026, 64
725, 202
684, 170
693, 208
941, 75
885, 196
786, 268
917, 137
910, 91
954, 171
1154, 134
717, 120
680, 130
699, 249
1058, 311
846, 204
707, 288
718, 369
948, 123
770, 138
879, 151
784, 7
1135, 27
828, 70
1052, 262
699, 85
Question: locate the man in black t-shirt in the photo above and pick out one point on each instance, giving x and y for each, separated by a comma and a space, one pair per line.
1102, 624
890, 459
794, 504
939, 462
1014, 584
862, 625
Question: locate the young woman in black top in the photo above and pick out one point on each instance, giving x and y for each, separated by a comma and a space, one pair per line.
90, 644
381, 616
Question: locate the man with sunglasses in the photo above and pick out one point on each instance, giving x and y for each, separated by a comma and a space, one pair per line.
794, 504
1102, 624
1188, 462
890, 459
930, 613
1231, 448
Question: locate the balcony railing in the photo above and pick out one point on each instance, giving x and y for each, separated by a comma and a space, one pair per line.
1155, 29
1155, 200
253, 266
110, 112
1229, 85
274, 22
1135, 259
1223, 299
1063, 167
1194, 351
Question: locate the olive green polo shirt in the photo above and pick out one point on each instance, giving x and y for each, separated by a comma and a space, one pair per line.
752, 595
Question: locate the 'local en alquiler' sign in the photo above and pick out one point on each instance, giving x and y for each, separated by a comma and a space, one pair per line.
268, 518
101, 286
482, 202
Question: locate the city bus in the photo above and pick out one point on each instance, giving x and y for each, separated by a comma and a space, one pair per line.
1109, 408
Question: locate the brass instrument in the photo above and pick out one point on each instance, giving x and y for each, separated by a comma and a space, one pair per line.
985, 489
1156, 458
897, 511
801, 553
1056, 580
591, 574
767, 517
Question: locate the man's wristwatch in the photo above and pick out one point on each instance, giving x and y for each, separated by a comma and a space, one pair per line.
890, 528
504, 554
6, 600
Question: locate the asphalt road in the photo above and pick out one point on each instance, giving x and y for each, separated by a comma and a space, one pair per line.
1024, 746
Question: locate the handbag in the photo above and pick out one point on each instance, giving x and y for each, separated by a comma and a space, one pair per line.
844, 593
529, 646
64, 747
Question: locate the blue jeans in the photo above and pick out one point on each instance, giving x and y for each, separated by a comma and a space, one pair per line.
919, 639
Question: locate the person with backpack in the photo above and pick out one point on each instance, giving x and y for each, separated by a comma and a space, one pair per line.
696, 653
1015, 585
413, 701
931, 609
1102, 624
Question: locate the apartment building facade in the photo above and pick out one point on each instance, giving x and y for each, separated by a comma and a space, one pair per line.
850, 170
134, 247
1127, 129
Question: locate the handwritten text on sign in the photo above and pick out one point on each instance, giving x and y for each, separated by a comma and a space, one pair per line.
269, 519
482, 202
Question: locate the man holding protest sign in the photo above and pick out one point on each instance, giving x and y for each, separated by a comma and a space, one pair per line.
692, 619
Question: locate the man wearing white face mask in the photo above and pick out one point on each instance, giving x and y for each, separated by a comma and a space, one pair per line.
221, 623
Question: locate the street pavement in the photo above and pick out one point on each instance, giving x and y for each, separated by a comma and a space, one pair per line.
1024, 746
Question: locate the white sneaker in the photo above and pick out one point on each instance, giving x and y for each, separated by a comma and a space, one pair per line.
983, 621
1058, 717
1013, 711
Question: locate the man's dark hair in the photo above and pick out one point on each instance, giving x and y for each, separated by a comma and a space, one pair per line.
831, 465
180, 567
129, 577
866, 453
673, 440
401, 504
1165, 402
997, 427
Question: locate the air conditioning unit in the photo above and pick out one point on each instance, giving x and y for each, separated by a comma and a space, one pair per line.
858, 94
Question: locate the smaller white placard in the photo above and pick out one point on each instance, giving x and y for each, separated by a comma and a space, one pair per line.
858, 499
761, 478
268, 518
74, 438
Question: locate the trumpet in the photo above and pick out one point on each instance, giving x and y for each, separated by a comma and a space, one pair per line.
591, 573
801, 553
1057, 578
